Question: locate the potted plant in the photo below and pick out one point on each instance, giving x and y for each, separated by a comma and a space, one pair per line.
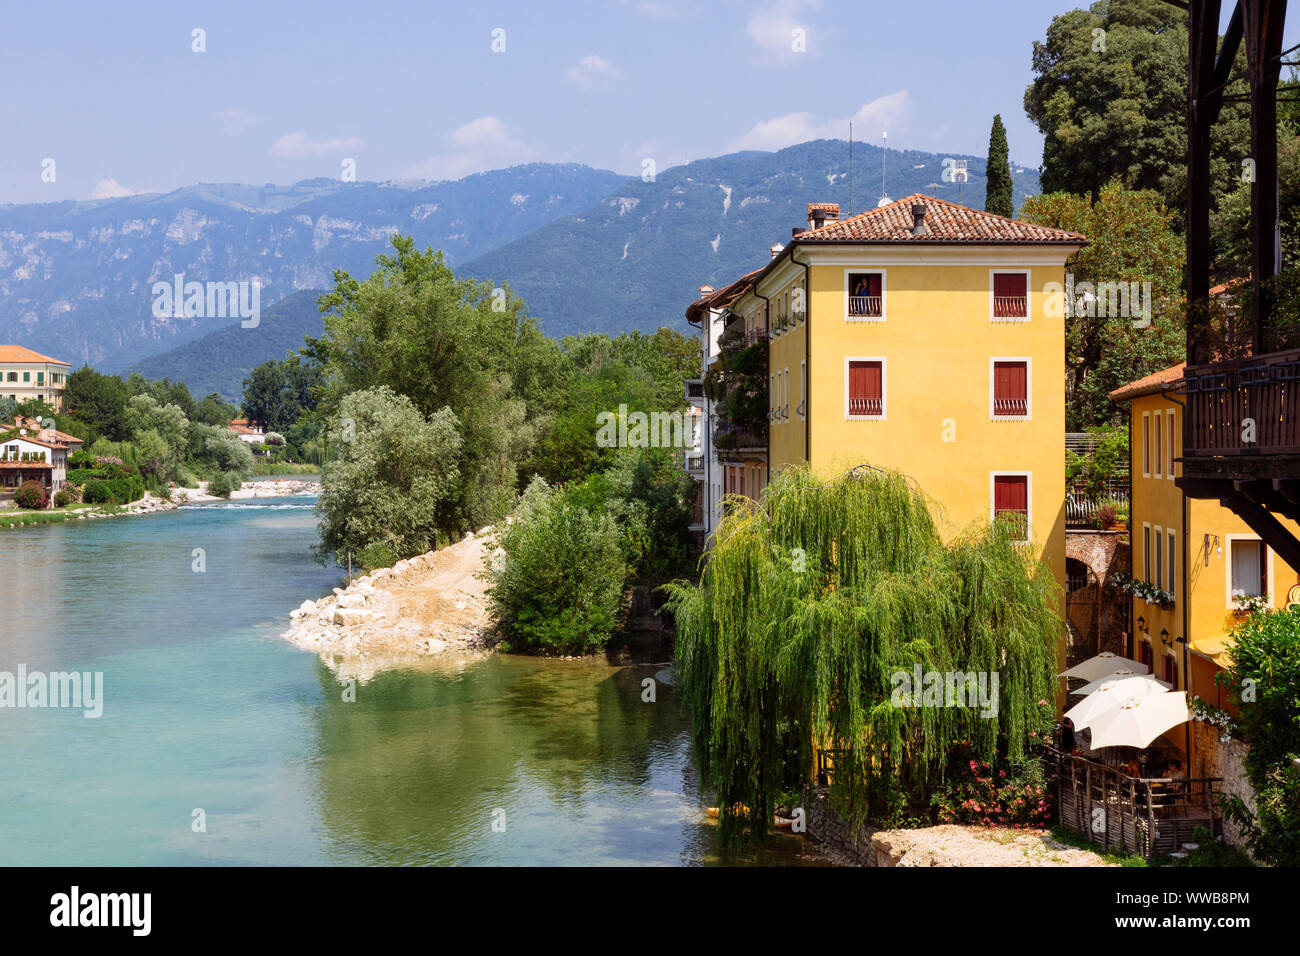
1248, 604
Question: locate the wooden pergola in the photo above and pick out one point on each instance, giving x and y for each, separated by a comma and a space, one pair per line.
1241, 430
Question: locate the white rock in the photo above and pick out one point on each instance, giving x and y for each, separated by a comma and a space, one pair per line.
350, 599
401, 566
307, 607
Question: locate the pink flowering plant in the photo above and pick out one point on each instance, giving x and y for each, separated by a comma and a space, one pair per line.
999, 793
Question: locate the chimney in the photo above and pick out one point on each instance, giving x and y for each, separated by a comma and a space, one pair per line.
919, 228
797, 231
705, 290
820, 213
776, 250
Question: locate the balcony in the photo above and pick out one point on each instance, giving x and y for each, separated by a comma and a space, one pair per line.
866, 407
866, 306
1010, 407
736, 442
1010, 307
1241, 441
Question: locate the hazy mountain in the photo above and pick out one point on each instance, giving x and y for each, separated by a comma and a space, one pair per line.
76, 277
636, 259
219, 361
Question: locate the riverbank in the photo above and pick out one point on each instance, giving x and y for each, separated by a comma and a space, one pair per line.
422, 607
262, 488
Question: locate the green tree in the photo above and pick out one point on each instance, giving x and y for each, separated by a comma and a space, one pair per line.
998, 194
214, 410
444, 343
1131, 238
393, 472
809, 609
100, 401
1109, 96
1264, 677
278, 393
556, 585
144, 413
220, 449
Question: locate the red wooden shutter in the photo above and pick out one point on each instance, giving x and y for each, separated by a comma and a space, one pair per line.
1010, 298
1171, 671
865, 388
1010, 388
1010, 493
1159, 455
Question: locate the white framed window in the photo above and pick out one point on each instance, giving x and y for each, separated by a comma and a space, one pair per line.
1010, 296
1158, 579
1011, 498
1157, 442
1146, 444
1171, 563
1146, 552
803, 390
864, 294
865, 387
1010, 388
1170, 431
1249, 567
785, 391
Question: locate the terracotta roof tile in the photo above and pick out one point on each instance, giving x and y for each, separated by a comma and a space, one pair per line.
946, 222
1152, 384
16, 353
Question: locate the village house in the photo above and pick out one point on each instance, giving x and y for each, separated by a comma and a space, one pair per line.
31, 453
25, 375
916, 336
250, 432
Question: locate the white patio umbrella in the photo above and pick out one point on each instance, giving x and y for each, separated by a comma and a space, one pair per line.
1110, 694
1139, 720
1103, 664
1122, 675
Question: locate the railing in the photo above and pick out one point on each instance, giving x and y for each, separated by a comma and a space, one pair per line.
734, 438
1143, 815
1016, 519
866, 406
1011, 407
1245, 398
694, 462
1081, 508
866, 305
1010, 306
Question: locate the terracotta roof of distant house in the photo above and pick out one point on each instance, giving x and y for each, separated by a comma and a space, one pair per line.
63, 437
38, 441
721, 297
1223, 287
1152, 384
16, 353
945, 222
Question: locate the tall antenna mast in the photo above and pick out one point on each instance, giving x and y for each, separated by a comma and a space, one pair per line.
850, 167
884, 149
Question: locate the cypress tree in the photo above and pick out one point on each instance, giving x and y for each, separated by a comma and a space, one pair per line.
997, 199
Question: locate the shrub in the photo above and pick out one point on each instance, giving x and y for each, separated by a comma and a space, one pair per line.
378, 555
64, 497
224, 483
82, 459
980, 793
1264, 676
557, 581
30, 494
113, 491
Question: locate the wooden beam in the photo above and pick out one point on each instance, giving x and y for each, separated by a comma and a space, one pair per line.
1260, 520
1203, 42
1262, 26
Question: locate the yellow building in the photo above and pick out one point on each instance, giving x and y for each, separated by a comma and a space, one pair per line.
25, 374
920, 336
1200, 554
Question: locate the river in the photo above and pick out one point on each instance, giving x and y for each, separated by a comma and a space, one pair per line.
221, 744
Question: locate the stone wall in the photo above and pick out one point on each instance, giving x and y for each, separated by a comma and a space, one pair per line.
851, 845
1226, 759
1097, 616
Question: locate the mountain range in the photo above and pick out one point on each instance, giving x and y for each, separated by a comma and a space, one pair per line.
587, 249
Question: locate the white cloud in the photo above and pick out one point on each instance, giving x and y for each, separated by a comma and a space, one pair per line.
109, 189
481, 144
892, 112
236, 122
776, 30
589, 69
297, 145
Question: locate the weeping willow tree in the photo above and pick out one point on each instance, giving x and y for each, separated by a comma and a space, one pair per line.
812, 601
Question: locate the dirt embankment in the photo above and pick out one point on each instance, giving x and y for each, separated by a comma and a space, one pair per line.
429, 605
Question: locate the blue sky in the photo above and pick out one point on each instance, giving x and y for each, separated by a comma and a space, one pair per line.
115, 95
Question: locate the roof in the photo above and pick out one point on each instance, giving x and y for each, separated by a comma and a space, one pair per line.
63, 437
724, 296
945, 222
1151, 385
16, 353
1223, 287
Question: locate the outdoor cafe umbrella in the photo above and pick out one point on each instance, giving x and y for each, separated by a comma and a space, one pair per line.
1139, 720
1125, 675
1103, 664
1109, 694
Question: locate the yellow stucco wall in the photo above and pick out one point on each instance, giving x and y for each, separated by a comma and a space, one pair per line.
1202, 589
937, 340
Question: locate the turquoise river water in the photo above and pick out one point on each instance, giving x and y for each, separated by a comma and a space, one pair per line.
208, 715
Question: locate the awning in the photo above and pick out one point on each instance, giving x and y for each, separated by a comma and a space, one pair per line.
1213, 648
